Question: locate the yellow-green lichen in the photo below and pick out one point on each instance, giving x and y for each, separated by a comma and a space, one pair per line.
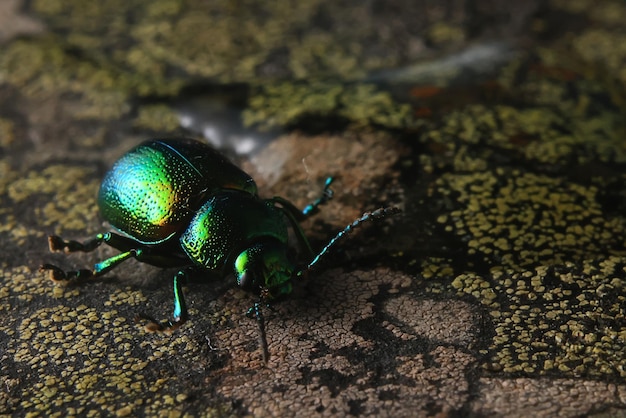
536, 133
443, 33
164, 41
44, 343
7, 132
281, 104
80, 355
563, 318
158, 118
517, 219
74, 203
41, 68
606, 47
7, 176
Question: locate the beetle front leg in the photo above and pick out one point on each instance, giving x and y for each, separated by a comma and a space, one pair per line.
255, 312
180, 309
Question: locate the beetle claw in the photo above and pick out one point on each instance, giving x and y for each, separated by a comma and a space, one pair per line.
54, 273
155, 327
56, 243
59, 276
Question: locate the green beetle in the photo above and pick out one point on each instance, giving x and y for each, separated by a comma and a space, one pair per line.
180, 203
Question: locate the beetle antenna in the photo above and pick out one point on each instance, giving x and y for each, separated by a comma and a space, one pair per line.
376, 215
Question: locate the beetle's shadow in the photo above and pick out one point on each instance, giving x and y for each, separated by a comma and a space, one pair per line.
157, 285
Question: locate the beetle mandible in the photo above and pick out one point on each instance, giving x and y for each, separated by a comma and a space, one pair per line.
180, 203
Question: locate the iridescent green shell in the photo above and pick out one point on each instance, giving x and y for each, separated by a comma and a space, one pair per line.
228, 223
152, 191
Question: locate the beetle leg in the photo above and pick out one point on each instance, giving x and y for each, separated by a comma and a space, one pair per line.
117, 241
310, 209
180, 309
127, 245
57, 243
59, 276
295, 215
288, 209
112, 262
327, 194
255, 312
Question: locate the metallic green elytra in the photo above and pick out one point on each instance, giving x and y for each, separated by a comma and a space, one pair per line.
151, 191
180, 203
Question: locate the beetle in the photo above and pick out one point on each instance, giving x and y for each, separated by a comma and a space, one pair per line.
181, 203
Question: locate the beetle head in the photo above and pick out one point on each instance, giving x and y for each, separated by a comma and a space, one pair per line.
265, 269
